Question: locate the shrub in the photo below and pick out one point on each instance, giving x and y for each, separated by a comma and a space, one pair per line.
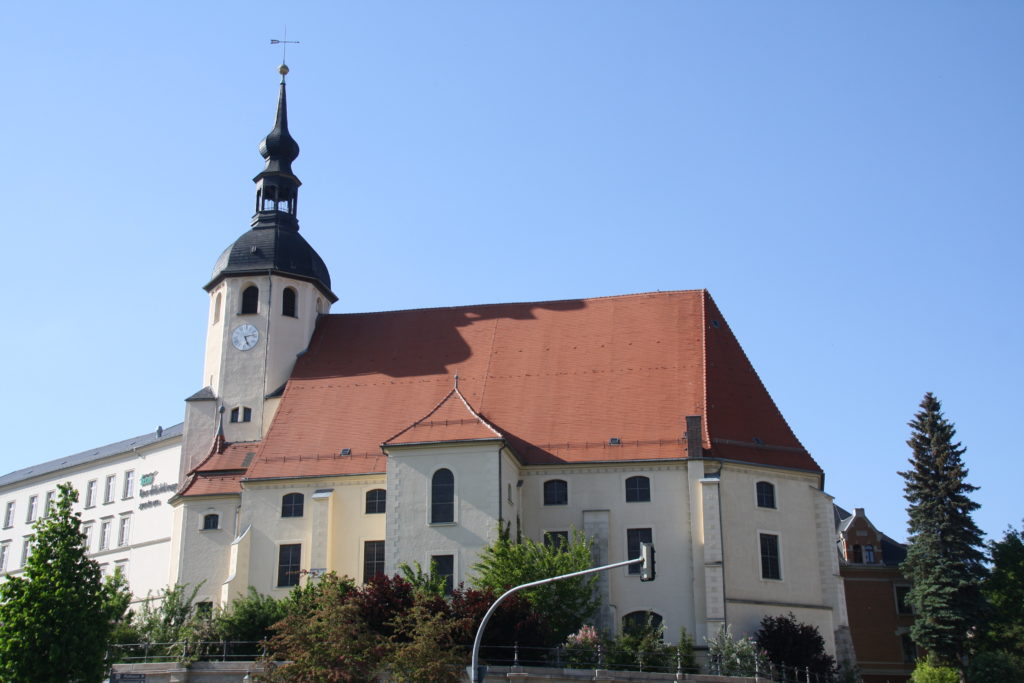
927, 673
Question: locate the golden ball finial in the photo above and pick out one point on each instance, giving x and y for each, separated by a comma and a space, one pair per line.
283, 69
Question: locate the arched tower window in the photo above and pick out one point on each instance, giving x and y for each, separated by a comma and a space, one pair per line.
765, 494
250, 299
292, 504
288, 302
216, 308
211, 522
442, 497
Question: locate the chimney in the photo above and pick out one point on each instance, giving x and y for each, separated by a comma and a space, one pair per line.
694, 449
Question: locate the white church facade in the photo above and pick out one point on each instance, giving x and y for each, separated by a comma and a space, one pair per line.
355, 442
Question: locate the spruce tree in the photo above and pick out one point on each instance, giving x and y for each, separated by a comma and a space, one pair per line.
56, 617
944, 558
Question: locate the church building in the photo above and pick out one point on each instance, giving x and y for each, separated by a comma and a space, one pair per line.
355, 442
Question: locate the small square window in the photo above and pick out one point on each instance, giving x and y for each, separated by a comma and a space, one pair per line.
765, 495
211, 522
556, 539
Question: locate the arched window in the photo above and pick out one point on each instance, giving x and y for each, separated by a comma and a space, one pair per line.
211, 521
291, 505
442, 497
638, 490
765, 495
376, 501
635, 623
288, 303
251, 299
556, 492
216, 308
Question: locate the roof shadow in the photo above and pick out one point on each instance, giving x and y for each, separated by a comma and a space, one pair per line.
412, 343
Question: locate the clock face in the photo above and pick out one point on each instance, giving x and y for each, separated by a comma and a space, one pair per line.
245, 337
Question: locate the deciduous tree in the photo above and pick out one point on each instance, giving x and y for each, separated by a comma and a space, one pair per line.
566, 605
56, 617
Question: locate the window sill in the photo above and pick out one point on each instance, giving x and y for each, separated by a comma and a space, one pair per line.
442, 523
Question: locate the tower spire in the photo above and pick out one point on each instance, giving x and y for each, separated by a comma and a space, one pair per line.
277, 188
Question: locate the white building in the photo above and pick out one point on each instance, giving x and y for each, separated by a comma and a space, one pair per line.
123, 490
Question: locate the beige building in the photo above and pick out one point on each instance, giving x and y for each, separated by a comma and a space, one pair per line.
356, 442
123, 493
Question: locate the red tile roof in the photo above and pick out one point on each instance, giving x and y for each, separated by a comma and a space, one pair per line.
557, 379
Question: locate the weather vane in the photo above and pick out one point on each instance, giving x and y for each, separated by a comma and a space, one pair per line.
284, 42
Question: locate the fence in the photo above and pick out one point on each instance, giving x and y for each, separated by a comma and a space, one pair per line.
666, 659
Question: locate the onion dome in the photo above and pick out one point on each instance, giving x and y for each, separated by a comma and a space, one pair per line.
274, 244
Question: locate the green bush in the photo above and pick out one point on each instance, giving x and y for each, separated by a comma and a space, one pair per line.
1005, 667
926, 673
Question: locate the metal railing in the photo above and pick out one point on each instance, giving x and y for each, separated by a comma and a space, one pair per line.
189, 650
666, 659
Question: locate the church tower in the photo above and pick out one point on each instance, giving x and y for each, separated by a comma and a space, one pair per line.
266, 292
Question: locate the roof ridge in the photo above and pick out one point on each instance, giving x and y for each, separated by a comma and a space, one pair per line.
515, 303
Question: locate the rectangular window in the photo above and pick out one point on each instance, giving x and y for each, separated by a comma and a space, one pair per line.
32, 502
48, 504
90, 494
634, 537
909, 649
124, 530
858, 554
444, 565
902, 605
129, 484
771, 568
105, 534
869, 554
108, 489
26, 548
373, 559
122, 567
87, 540
556, 539
3, 556
288, 559
9, 515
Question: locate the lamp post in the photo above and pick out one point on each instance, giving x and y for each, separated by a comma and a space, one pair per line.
646, 573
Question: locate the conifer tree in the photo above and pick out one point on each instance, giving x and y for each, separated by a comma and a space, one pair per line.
56, 617
944, 558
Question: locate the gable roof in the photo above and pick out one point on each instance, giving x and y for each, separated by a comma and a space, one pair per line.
453, 419
556, 379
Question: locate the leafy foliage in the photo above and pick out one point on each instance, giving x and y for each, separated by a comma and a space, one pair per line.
1004, 590
427, 581
566, 604
55, 618
929, 673
731, 657
425, 648
1004, 667
944, 560
786, 641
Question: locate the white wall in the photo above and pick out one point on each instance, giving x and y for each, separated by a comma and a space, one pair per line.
145, 554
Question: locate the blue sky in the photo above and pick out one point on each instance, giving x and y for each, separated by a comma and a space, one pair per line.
844, 178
